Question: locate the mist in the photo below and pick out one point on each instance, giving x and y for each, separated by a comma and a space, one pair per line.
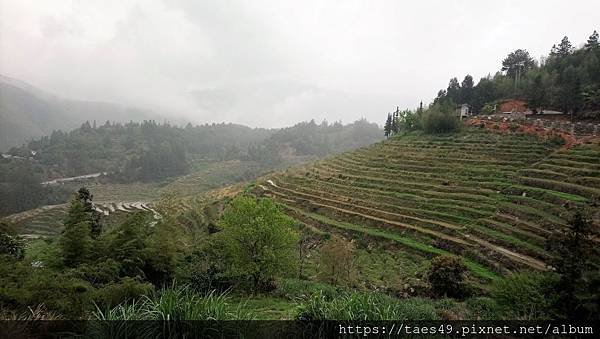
272, 63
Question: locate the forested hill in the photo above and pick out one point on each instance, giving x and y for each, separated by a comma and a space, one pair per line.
567, 80
151, 151
27, 112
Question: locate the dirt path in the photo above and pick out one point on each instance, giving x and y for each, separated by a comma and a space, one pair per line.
79, 177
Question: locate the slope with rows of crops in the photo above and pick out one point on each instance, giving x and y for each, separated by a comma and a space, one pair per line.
489, 197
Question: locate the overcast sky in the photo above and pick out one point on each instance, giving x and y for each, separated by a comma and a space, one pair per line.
273, 63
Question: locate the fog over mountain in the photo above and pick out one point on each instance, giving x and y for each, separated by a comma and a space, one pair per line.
27, 113
271, 63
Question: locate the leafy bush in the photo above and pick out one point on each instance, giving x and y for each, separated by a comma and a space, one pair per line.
100, 273
524, 296
487, 109
22, 286
201, 273
125, 290
440, 118
366, 306
11, 245
446, 276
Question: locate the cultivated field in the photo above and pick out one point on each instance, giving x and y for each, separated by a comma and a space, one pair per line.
489, 197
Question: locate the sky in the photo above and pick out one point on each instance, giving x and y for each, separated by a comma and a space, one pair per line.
272, 63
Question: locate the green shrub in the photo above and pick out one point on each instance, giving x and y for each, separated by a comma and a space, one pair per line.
12, 245
101, 273
524, 296
446, 276
125, 290
440, 118
487, 109
71, 298
201, 273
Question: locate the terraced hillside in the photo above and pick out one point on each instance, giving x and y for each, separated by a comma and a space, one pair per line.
47, 221
489, 197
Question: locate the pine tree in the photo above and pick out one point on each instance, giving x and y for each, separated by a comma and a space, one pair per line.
563, 49
387, 129
93, 219
75, 243
453, 91
517, 62
466, 90
569, 92
592, 41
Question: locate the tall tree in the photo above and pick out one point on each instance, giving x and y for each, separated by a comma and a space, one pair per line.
128, 245
592, 41
453, 91
84, 195
483, 93
537, 92
257, 242
76, 240
569, 97
336, 261
466, 90
387, 129
517, 61
564, 48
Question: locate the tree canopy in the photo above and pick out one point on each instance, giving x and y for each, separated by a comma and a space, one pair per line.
257, 241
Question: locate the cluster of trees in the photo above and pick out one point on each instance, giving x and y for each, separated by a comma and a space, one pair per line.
312, 139
567, 80
151, 151
439, 117
86, 264
247, 246
405, 120
21, 188
111, 147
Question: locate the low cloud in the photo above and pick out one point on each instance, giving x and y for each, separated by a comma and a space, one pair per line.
272, 63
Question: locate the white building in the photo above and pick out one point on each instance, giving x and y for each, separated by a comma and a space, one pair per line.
463, 111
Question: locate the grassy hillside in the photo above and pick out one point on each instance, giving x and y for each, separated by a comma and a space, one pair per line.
491, 198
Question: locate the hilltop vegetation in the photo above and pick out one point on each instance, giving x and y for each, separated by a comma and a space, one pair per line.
568, 80
150, 152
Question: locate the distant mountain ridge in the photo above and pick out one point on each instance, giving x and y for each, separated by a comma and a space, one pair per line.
27, 112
